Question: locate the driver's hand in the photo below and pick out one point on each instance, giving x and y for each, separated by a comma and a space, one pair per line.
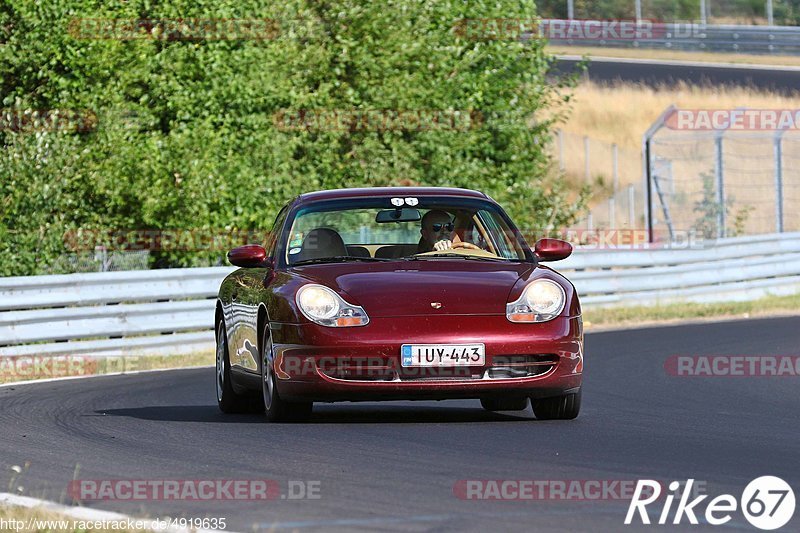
443, 245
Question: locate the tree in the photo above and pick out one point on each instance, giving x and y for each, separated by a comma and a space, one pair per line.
188, 129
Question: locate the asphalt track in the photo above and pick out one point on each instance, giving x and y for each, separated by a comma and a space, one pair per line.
654, 73
393, 466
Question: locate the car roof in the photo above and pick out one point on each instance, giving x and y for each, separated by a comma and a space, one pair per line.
336, 194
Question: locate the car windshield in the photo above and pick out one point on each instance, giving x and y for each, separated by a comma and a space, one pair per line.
386, 229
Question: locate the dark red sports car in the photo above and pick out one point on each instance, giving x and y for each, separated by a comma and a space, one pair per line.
397, 294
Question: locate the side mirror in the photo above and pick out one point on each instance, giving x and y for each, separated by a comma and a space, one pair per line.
552, 249
249, 256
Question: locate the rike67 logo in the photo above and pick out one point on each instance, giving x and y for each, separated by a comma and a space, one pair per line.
767, 503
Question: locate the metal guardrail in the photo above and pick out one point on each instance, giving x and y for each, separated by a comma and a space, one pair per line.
171, 311
695, 37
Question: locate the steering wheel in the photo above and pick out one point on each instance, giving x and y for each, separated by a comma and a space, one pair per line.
467, 245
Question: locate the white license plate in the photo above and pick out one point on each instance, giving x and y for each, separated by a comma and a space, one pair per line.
443, 354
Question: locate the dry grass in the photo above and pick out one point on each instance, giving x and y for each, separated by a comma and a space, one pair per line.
621, 317
21, 369
677, 55
621, 113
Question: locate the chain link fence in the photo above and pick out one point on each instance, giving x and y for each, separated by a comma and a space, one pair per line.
723, 182
613, 173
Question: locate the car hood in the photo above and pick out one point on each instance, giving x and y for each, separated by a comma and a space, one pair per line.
413, 288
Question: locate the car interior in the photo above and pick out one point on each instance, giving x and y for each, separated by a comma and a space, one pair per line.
322, 242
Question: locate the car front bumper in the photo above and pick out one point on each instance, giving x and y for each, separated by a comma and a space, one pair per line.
363, 363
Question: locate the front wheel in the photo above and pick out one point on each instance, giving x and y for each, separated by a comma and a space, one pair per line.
276, 409
565, 407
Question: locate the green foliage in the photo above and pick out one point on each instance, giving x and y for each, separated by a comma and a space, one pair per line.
709, 210
186, 136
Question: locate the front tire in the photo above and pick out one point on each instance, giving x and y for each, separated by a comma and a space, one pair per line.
277, 409
565, 407
227, 399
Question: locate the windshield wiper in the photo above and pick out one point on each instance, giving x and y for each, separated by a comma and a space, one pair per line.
338, 259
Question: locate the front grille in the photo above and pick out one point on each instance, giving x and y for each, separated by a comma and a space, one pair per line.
360, 372
521, 366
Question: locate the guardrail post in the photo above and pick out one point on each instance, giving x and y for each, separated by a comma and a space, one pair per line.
779, 181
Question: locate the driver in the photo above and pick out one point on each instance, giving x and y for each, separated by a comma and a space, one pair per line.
437, 230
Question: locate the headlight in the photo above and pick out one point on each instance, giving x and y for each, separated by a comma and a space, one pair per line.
542, 300
321, 305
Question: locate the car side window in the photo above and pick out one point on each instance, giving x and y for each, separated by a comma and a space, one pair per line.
504, 247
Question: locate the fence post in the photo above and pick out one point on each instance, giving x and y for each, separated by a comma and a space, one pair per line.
615, 169
647, 170
719, 173
587, 169
779, 181
612, 213
648, 190
631, 206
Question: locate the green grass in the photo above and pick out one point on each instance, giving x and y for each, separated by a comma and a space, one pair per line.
629, 316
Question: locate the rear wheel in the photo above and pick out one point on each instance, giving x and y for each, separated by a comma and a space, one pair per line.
227, 398
565, 407
277, 409
504, 404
